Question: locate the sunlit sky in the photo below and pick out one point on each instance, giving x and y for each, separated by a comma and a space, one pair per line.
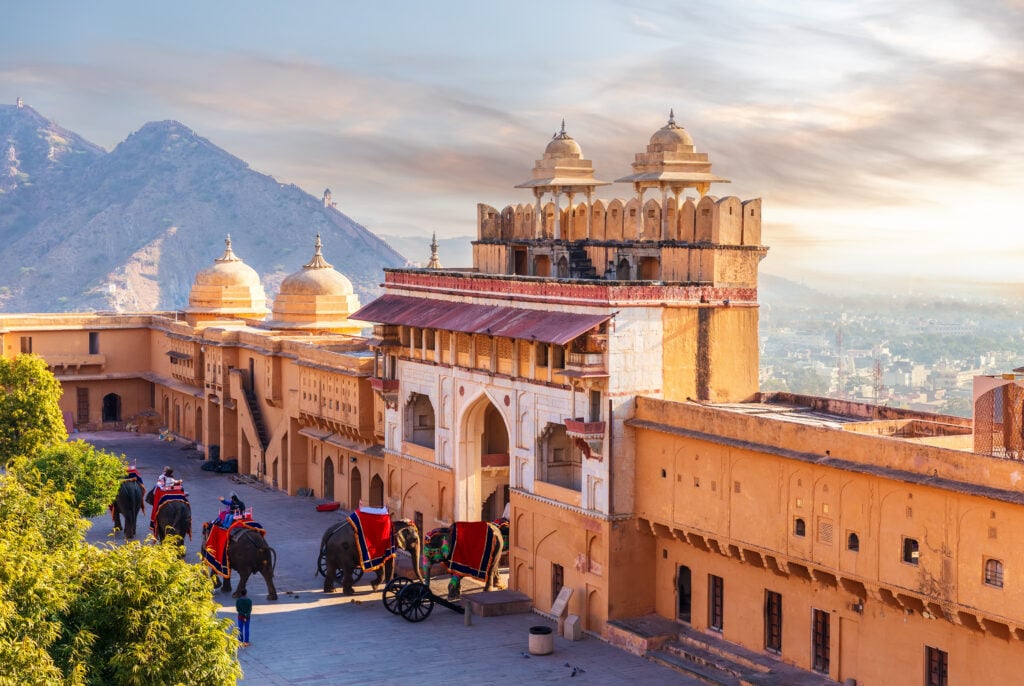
886, 138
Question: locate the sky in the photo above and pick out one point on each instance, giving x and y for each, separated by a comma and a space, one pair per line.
886, 139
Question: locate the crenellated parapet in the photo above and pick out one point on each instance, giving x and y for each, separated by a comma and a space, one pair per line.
718, 221
670, 237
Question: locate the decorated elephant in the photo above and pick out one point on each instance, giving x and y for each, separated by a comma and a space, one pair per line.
465, 549
340, 550
173, 518
128, 504
245, 550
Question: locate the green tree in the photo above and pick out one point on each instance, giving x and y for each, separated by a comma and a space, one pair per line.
144, 616
78, 615
91, 476
40, 541
30, 416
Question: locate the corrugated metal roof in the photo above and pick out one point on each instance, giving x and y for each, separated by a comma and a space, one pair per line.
493, 320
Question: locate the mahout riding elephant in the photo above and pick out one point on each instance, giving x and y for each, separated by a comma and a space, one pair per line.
438, 548
128, 504
248, 554
340, 550
174, 518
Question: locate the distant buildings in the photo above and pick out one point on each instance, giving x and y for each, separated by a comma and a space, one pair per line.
596, 376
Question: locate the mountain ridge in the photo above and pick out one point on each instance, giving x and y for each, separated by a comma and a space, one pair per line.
129, 229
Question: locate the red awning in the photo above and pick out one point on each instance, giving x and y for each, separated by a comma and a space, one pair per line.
545, 326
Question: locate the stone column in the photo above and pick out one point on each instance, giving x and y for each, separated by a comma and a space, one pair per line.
590, 212
558, 214
664, 213
571, 218
537, 219
640, 212
676, 191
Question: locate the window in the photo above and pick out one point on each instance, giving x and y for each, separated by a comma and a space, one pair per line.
936, 667
821, 642
799, 527
994, 573
94, 343
825, 530
716, 602
542, 354
853, 542
26, 345
911, 551
557, 580
558, 357
595, 406
773, 621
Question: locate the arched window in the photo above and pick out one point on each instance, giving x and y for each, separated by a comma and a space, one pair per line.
853, 542
799, 527
994, 573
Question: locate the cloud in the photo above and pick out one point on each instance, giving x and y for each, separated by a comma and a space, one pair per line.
856, 122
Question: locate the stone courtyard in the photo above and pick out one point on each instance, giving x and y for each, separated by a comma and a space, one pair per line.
306, 637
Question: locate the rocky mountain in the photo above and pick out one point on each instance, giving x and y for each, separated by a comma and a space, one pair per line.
84, 229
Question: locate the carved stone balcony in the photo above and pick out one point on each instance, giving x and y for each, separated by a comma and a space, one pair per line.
588, 436
384, 385
585, 365
387, 389
588, 431
63, 363
494, 460
385, 335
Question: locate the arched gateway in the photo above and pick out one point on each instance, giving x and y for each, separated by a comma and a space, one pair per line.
482, 467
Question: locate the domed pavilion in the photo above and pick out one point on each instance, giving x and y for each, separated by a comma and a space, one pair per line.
561, 170
317, 299
670, 164
228, 289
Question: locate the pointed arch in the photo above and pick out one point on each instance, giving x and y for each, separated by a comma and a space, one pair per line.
355, 487
376, 491
484, 433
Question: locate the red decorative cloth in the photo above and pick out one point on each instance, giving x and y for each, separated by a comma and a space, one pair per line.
475, 546
161, 498
373, 534
215, 550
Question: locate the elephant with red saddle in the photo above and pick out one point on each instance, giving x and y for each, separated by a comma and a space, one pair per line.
247, 553
340, 550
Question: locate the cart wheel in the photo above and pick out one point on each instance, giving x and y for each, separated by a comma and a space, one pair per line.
391, 592
415, 602
339, 574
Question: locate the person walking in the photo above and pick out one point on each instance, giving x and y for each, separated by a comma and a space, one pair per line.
244, 607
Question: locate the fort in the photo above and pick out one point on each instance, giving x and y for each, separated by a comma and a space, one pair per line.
595, 376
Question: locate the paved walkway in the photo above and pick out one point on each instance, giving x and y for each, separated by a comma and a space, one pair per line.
307, 637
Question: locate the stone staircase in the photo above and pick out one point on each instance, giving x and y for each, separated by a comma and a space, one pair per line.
580, 266
257, 418
706, 657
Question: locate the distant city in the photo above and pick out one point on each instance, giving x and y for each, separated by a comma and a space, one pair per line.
907, 352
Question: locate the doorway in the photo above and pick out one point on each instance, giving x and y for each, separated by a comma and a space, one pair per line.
329, 479
355, 488
111, 407
684, 590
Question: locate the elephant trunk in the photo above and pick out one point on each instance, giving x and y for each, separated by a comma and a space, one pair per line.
414, 553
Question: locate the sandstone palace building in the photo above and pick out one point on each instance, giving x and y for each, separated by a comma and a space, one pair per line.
595, 377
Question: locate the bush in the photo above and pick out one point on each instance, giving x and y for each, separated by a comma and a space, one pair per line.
91, 476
